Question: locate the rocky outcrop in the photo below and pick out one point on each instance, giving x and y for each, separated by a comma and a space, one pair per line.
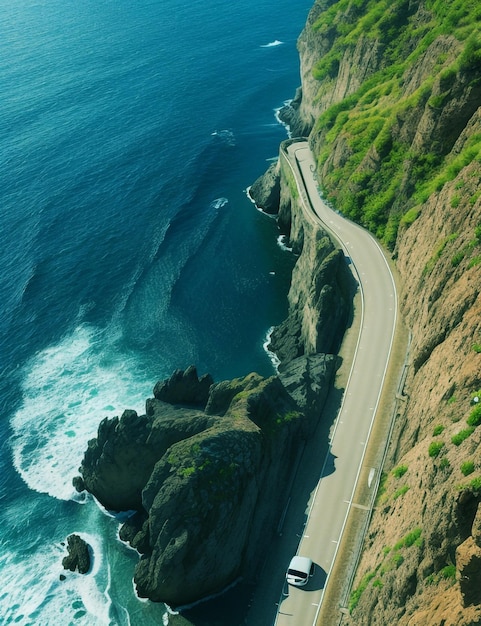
207, 487
322, 287
78, 558
184, 387
308, 380
266, 190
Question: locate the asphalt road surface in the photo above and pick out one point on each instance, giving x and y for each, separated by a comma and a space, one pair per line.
341, 459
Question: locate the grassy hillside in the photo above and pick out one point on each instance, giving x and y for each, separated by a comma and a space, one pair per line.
390, 141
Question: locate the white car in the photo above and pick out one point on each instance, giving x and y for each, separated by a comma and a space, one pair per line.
300, 569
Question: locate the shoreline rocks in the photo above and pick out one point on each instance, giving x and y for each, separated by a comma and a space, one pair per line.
78, 558
207, 486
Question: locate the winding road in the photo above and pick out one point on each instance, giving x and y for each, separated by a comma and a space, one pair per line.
333, 497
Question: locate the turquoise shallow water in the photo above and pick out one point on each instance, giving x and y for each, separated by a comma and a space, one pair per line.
128, 136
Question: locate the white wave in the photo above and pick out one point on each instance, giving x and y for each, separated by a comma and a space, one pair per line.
272, 355
218, 203
79, 599
226, 136
272, 44
281, 242
67, 390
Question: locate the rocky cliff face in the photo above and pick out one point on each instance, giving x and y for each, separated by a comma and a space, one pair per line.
391, 96
320, 296
204, 470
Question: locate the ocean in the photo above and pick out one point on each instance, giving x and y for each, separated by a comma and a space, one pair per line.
129, 134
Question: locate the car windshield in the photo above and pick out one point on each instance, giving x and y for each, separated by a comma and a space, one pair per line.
296, 573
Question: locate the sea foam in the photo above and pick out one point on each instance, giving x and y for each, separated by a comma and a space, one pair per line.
272, 44
79, 599
67, 390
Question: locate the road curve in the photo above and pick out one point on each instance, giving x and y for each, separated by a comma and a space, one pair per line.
333, 497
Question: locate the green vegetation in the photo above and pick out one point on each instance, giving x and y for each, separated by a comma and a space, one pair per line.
474, 418
400, 492
392, 560
410, 216
446, 573
435, 448
438, 252
462, 435
473, 485
438, 430
411, 539
357, 593
467, 468
383, 181
399, 471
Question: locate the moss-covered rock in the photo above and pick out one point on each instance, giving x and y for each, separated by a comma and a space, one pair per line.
207, 485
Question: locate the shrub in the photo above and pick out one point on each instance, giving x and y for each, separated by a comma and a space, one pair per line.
412, 538
455, 201
400, 492
457, 258
399, 471
475, 484
467, 468
462, 435
398, 560
438, 430
448, 572
410, 216
474, 418
356, 594
435, 448
477, 348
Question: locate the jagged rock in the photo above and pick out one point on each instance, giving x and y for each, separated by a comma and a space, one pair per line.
208, 488
119, 462
78, 483
291, 115
266, 190
320, 298
184, 387
308, 380
78, 555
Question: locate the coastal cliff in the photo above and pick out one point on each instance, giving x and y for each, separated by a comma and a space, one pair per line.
204, 473
390, 99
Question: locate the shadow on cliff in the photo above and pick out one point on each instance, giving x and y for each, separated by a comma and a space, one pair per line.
254, 601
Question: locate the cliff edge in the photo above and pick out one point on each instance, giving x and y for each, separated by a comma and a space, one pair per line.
390, 99
203, 473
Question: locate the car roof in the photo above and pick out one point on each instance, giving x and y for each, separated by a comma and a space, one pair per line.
301, 563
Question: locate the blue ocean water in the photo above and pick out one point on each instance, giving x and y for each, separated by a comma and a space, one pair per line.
129, 132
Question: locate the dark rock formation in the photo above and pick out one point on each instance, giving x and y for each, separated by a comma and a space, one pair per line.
266, 190
184, 387
78, 557
291, 116
308, 379
208, 486
322, 286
